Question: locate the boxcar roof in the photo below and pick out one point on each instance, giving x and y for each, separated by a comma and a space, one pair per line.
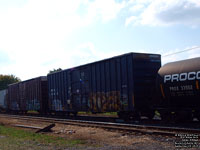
28, 80
131, 53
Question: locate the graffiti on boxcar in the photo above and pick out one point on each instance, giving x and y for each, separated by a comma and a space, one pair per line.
101, 101
33, 104
14, 105
57, 105
55, 102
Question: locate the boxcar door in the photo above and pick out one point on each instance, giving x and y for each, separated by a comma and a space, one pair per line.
22, 96
80, 88
84, 84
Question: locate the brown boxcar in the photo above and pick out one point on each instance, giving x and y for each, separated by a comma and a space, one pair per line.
28, 95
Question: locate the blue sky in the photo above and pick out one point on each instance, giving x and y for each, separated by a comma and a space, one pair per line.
39, 35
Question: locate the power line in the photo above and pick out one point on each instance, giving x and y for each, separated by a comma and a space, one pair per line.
189, 49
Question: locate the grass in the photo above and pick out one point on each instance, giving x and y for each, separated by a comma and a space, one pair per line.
33, 112
110, 113
11, 136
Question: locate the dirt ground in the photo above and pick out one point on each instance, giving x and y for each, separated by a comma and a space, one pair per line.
102, 139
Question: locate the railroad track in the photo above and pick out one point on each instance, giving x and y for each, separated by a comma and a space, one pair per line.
128, 128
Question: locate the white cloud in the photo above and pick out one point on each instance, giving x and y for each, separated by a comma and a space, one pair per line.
33, 35
82, 54
136, 8
169, 12
105, 9
130, 20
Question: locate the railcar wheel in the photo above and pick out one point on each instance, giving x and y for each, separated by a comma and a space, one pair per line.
129, 116
150, 115
68, 114
136, 116
184, 116
120, 115
165, 116
197, 115
75, 114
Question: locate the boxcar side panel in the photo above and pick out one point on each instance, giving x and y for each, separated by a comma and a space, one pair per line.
145, 72
120, 83
13, 97
3, 96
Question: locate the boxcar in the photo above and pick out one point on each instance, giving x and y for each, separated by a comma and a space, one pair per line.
122, 84
29, 95
3, 96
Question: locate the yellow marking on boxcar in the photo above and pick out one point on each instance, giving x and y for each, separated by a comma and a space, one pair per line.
197, 85
162, 91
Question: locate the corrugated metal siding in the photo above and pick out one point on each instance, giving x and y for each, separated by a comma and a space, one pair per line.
13, 97
3, 99
29, 95
116, 84
145, 79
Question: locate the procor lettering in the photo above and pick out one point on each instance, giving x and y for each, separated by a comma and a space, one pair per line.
182, 77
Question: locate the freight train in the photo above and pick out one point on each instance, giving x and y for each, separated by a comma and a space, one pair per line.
132, 84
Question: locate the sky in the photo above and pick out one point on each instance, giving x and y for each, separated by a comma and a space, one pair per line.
39, 35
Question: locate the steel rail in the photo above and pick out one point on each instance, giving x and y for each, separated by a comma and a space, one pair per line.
131, 128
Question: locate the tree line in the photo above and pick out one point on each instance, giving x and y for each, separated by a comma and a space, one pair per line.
5, 80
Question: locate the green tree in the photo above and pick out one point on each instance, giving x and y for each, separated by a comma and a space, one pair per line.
5, 80
54, 70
